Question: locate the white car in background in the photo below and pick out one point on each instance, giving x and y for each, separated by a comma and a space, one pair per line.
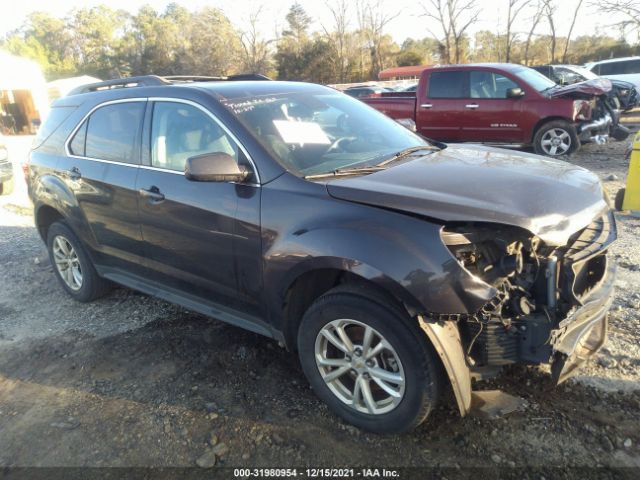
627, 68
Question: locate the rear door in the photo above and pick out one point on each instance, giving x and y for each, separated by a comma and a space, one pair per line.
440, 104
100, 168
198, 235
489, 116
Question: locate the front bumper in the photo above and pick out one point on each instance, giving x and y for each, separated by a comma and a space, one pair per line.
584, 331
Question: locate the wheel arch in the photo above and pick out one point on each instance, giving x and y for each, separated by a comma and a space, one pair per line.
312, 283
45, 216
546, 120
443, 337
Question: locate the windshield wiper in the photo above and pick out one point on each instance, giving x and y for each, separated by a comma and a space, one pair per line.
405, 153
345, 171
372, 168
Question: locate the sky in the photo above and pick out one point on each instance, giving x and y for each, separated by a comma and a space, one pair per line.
408, 24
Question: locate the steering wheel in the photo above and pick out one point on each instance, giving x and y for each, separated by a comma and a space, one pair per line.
339, 144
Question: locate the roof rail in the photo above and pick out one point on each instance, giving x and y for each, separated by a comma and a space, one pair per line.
155, 80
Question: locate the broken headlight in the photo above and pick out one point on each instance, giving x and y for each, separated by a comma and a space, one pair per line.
506, 258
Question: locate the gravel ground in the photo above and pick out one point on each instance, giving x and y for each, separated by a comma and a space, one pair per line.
133, 381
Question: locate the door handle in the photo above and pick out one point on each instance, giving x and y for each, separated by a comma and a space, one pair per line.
426, 105
73, 174
152, 194
472, 106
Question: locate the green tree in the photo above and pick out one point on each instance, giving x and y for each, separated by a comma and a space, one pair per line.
292, 49
45, 39
96, 40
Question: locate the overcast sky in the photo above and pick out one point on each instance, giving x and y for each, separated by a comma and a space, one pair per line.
407, 24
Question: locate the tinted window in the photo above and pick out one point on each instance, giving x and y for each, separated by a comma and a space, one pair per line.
447, 85
113, 132
620, 68
180, 131
489, 85
76, 147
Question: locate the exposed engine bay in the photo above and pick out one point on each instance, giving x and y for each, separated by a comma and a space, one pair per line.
597, 110
538, 287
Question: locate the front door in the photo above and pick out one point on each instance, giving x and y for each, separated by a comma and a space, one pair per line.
489, 116
191, 229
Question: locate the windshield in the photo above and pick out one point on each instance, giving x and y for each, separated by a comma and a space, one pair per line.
535, 79
321, 131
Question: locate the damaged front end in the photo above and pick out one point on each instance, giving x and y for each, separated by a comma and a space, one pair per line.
552, 301
596, 110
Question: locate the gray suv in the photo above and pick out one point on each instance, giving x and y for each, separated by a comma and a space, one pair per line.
393, 265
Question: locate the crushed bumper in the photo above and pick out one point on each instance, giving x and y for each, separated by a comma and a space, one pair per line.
583, 332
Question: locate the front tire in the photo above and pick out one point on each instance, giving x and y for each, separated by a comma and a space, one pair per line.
368, 361
72, 264
555, 139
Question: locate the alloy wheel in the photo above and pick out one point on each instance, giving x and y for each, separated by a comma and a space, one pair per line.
360, 366
67, 263
556, 141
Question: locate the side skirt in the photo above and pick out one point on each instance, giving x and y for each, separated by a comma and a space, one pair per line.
190, 302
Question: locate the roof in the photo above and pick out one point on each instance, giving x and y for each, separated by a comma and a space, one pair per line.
411, 71
221, 90
500, 66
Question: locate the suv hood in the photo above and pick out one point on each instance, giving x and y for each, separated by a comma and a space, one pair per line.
471, 183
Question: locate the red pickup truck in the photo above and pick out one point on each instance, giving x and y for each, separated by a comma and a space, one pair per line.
506, 104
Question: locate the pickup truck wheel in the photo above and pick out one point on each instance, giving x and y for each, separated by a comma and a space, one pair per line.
368, 362
556, 138
72, 265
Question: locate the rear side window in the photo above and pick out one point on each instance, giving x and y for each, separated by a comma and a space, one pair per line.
620, 68
448, 85
76, 147
112, 132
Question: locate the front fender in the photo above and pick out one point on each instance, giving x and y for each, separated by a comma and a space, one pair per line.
402, 253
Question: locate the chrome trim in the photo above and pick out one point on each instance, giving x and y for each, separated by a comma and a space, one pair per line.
149, 167
220, 124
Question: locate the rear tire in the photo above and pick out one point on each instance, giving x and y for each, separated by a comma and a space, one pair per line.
556, 138
72, 264
402, 379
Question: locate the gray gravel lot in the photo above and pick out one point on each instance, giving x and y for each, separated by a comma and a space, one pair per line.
133, 381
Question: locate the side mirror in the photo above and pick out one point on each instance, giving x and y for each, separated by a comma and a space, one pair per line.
516, 92
214, 167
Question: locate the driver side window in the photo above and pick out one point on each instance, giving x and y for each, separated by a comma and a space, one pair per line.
489, 85
180, 131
